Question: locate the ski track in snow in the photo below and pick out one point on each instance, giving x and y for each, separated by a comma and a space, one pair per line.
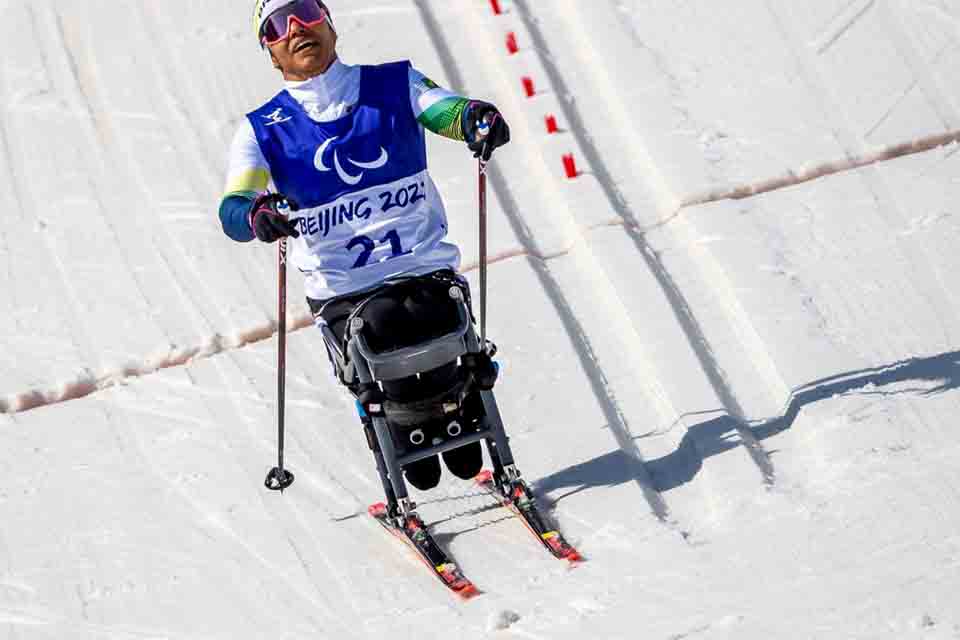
724, 432
618, 202
585, 352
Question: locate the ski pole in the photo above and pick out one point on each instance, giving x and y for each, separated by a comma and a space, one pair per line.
484, 130
483, 252
279, 479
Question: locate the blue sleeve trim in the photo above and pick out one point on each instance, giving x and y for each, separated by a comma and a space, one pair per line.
233, 217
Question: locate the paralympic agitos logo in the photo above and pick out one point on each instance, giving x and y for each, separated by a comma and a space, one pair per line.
345, 176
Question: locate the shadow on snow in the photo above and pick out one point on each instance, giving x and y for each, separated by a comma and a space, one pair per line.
719, 435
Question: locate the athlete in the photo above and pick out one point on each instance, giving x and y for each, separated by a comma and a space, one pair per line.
343, 147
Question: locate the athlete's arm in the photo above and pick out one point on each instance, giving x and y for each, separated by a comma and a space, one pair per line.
248, 175
452, 116
439, 110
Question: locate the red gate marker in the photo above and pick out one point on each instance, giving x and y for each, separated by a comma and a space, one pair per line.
512, 43
495, 5
570, 166
551, 124
528, 86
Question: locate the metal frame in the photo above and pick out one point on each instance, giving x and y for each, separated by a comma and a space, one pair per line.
378, 367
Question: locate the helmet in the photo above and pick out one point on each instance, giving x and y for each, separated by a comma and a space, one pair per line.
262, 11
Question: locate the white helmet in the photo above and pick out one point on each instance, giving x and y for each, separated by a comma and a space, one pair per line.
262, 11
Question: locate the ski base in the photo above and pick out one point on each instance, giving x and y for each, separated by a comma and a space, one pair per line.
521, 501
415, 535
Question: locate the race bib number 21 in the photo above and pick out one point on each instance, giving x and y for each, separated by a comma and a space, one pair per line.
367, 246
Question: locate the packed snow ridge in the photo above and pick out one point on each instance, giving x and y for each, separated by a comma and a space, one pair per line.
88, 382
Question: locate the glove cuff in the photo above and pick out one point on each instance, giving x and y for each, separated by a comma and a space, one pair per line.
254, 209
471, 115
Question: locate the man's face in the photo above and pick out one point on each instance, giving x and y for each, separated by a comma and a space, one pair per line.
306, 52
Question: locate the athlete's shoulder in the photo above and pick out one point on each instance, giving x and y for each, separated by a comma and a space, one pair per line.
422, 86
396, 65
385, 84
385, 71
272, 111
247, 170
243, 135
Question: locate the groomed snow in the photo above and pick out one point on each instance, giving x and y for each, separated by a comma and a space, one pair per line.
742, 411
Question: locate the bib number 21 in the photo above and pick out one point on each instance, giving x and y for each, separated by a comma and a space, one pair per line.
368, 246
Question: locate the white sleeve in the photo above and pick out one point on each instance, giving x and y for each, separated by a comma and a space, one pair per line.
247, 169
425, 93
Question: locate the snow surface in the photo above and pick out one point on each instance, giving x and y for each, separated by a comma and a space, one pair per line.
731, 345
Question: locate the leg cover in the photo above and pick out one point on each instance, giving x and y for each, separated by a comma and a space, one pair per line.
465, 462
423, 474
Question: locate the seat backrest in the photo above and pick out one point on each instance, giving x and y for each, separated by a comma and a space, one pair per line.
408, 361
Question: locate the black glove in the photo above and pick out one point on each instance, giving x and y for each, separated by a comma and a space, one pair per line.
268, 224
485, 371
485, 129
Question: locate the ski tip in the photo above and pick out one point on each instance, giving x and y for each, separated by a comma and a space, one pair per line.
573, 557
468, 591
457, 582
378, 510
560, 548
484, 477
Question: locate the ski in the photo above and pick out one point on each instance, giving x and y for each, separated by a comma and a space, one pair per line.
414, 534
522, 502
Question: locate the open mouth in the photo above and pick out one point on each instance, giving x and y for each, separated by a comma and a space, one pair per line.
304, 45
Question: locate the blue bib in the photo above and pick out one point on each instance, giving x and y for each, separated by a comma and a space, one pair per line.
318, 162
369, 210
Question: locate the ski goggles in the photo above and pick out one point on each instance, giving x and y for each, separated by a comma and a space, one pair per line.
308, 13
